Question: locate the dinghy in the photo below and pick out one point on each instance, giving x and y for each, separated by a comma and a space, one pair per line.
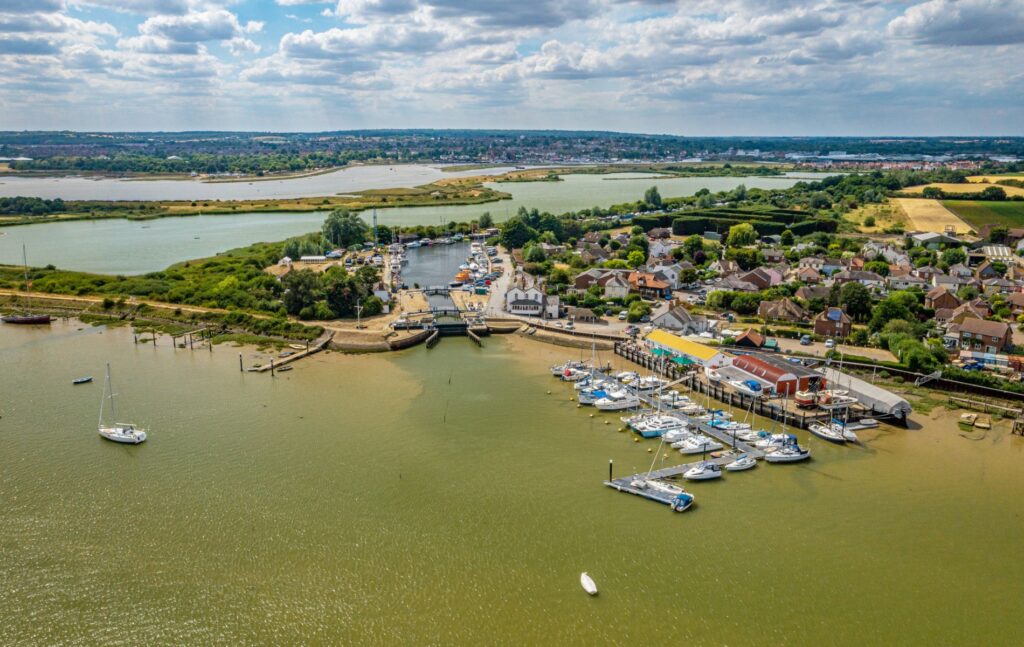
588, 584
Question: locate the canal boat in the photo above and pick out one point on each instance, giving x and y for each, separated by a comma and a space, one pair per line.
744, 462
588, 584
118, 432
790, 452
82, 380
618, 401
704, 471
26, 319
827, 432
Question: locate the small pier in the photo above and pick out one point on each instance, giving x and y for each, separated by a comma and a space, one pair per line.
313, 348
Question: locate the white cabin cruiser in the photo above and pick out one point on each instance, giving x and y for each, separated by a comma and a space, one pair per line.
696, 445
617, 401
703, 472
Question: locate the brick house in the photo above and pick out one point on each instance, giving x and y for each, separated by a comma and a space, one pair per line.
833, 322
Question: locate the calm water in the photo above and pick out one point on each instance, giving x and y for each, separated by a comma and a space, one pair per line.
443, 497
576, 192
120, 246
357, 178
127, 247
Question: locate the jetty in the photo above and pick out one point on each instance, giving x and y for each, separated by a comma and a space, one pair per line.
314, 347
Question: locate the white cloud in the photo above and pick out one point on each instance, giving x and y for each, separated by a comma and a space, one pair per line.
962, 22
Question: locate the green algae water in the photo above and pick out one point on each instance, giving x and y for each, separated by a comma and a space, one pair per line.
444, 497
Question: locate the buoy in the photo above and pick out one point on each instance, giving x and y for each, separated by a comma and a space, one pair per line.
578, 406
591, 415
649, 450
636, 440
607, 423
549, 392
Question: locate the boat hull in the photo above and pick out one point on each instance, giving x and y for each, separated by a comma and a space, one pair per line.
116, 436
27, 320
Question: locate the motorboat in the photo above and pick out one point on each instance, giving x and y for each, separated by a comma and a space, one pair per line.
118, 432
588, 584
675, 435
805, 399
692, 409
864, 423
791, 452
704, 471
682, 502
627, 377
655, 426
649, 384
656, 486
729, 425
575, 375
827, 432
617, 401
82, 380
713, 376
744, 462
674, 399
697, 445
559, 369
590, 396
747, 387
833, 399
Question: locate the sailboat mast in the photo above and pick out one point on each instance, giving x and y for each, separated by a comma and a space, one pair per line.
110, 388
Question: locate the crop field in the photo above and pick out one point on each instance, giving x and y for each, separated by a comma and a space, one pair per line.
983, 212
992, 179
974, 187
930, 215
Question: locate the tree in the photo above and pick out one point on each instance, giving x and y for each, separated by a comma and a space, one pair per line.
372, 306
344, 228
933, 192
741, 234
747, 258
856, 299
534, 254
740, 193
636, 258
302, 290
993, 193
787, 238
652, 197
952, 256
820, 200
880, 268
616, 264
693, 244
486, 220
869, 221
515, 233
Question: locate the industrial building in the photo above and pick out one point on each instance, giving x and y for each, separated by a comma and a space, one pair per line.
777, 374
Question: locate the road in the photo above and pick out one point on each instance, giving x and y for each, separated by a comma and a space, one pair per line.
817, 349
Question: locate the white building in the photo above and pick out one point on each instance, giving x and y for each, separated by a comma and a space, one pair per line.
531, 302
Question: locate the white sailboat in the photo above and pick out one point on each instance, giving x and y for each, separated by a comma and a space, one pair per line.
119, 432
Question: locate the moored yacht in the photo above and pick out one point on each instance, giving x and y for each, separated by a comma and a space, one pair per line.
747, 387
696, 445
744, 462
703, 472
119, 432
791, 452
827, 432
617, 401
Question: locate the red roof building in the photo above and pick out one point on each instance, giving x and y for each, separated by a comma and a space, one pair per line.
783, 376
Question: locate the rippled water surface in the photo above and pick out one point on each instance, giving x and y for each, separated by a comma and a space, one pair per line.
444, 496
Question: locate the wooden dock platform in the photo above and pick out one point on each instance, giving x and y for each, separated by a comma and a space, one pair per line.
314, 347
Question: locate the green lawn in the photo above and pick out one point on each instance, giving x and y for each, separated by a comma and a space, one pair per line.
977, 212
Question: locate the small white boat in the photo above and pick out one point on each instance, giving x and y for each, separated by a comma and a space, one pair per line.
713, 376
649, 384
657, 486
676, 435
771, 441
588, 584
617, 401
747, 387
789, 453
696, 445
118, 432
703, 472
744, 462
627, 377
826, 432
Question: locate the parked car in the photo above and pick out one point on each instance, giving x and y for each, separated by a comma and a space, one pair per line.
830, 343
805, 340
622, 316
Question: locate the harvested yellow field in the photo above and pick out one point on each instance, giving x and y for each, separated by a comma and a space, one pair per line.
973, 187
930, 215
992, 179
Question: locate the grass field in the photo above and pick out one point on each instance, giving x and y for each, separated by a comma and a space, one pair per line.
978, 212
930, 215
974, 187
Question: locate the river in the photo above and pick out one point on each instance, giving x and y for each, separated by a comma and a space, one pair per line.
443, 496
118, 246
347, 180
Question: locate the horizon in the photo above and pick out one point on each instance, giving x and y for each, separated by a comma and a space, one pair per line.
791, 68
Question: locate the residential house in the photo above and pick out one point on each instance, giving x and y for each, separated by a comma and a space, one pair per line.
932, 240
671, 272
986, 271
985, 336
940, 297
906, 282
649, 285
784, 309
867, 279
960, 270
614, 283
814, 262
552, 250
660, 249
893, 255
758, 276
531, 302
592, 254
998, 286
660, 233
926, 272
679, 319
808, 275
750, 338
724, 267
1016, 302
830, 266
811, 292
773, 255
833, 322
735, 284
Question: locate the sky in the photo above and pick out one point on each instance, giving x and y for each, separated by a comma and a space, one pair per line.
687, 67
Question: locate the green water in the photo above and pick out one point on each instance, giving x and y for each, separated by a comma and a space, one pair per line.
444, 497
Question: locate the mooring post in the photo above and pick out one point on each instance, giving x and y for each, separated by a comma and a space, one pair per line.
154, 339
610, 462
271, 367
190, 345
240, 369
